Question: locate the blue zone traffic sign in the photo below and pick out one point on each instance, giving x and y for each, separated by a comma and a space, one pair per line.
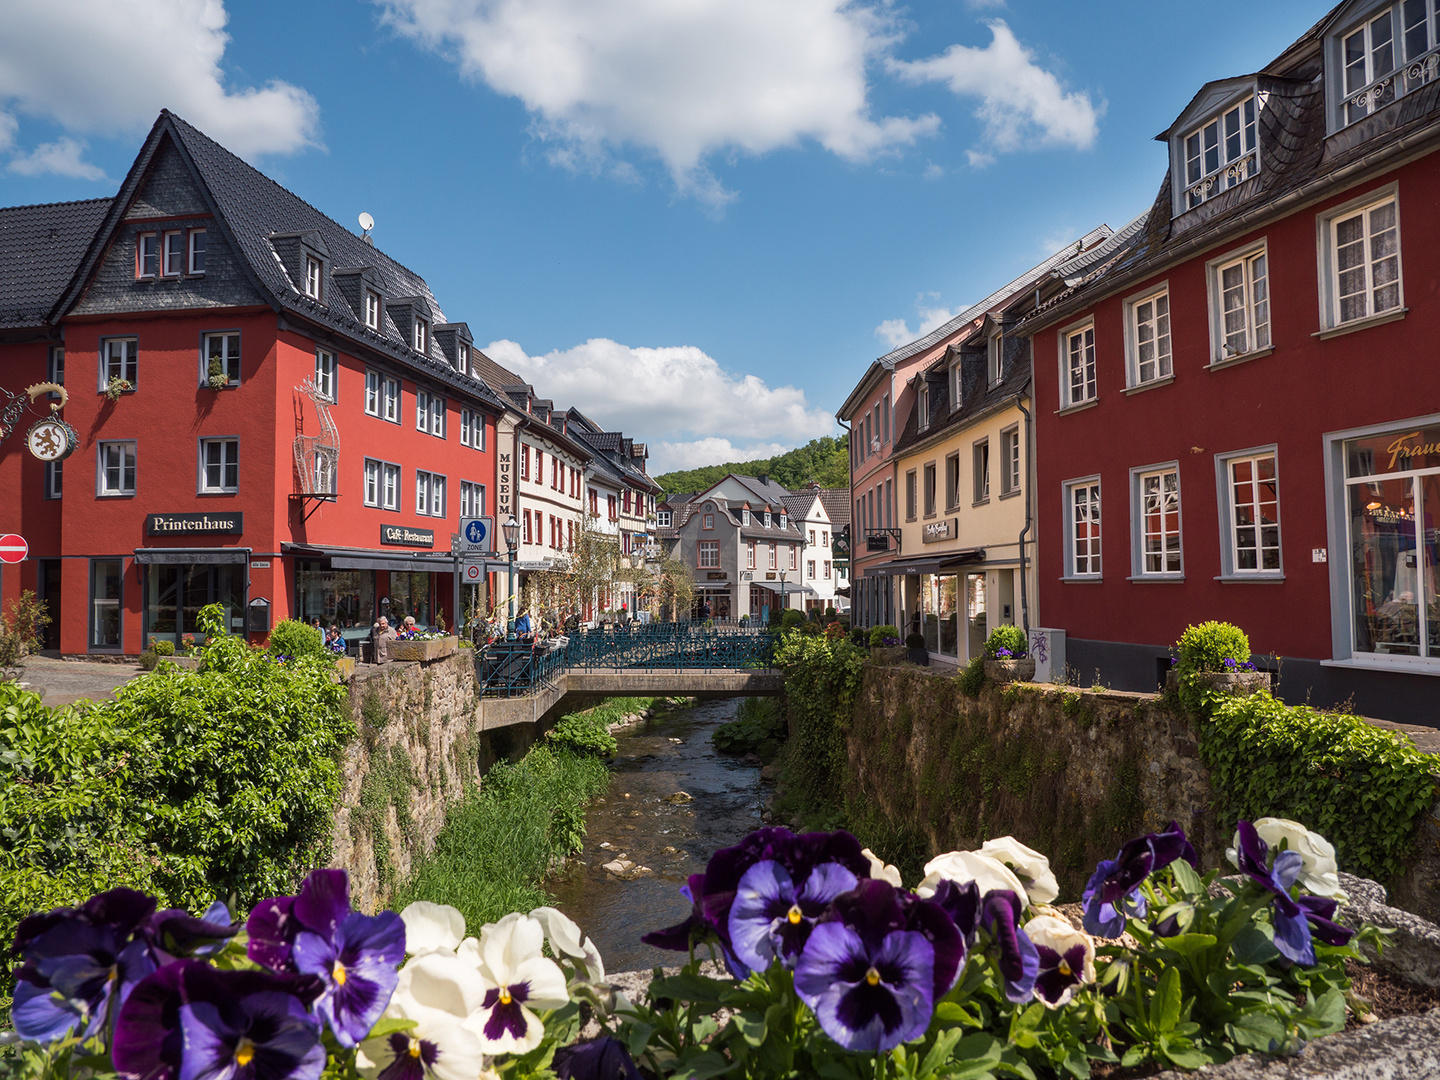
476, 531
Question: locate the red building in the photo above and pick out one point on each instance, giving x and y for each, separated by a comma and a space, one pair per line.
271, 413
1238, 408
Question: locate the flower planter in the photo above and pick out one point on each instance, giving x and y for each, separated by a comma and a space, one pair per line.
424, 649
344, 667
887, 654
1235, 683
919, 656
1005, 671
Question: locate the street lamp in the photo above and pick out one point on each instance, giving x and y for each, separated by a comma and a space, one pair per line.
511, 529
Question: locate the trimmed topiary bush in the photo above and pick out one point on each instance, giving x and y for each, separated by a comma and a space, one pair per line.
884, 635
791, 619
291, 637
914, 641
163, 647
1009, 638
148, 659
1207, 647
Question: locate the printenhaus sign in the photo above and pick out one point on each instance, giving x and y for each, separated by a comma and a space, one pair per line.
182, 524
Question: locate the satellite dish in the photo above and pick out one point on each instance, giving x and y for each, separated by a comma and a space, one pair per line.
366, 222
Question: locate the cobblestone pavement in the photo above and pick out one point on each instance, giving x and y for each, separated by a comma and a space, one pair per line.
59, 682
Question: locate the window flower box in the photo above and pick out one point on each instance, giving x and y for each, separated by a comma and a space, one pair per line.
117, 386
1012, 670
424, 649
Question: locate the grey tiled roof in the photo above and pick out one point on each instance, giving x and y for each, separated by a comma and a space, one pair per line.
837, 506
40, 250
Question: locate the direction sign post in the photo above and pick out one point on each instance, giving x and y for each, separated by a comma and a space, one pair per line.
13, 548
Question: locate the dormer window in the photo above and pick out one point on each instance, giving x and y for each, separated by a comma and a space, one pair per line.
957, 386
767, 519
372, 309
312, 277
422, 336
462, 358
1385, 57
784, 519
745, 517
1220, 153
923, 420
995, 358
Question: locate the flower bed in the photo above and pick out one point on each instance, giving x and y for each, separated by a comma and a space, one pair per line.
835, 970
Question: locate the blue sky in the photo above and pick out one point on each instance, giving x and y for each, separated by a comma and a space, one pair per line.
700, 229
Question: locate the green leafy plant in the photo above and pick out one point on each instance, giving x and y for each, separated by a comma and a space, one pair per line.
822, 679
1010, 638
291, 637
972, 679
791, 619
758, 728
116, 387
584, 733
21, 628
1205, 648
149, 659
884, 635
163, 647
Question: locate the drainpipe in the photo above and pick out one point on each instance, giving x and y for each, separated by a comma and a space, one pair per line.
1029, 456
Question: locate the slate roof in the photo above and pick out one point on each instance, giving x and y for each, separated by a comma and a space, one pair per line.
40, 250
837, 507
978, 397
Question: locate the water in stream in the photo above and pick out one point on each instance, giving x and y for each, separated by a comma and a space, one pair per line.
655, 760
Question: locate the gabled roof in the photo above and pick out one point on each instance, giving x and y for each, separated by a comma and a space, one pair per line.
837, 507
255, 213
40, 249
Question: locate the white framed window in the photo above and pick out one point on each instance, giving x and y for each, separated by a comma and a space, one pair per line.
429, 494
219, 466
794, 557
922, 406
750, 555
957, 386
774, 560
437, 496
390, 486
662, 519
1220, 153
390, 399
1078, 383
710, 554
980, 453
325, 373
1360, 261
709, 521
472, 499
55, 366
784, 519
313, 277
994, 360
422, 411
120, 359
115, 474
1155, 496
462, 358
745, 516
472, 428
372, 309
1010, 461
372, 482
221, 356
1368, 54
54, 479
1249, 513
196, 258
1148, 333
372, 392
1082, 527
437, 416
810, 569
1239, 288
910, 495
465, 416
422, 336
147, 255
174, 254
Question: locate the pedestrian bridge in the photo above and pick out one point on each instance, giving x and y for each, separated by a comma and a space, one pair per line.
521, 683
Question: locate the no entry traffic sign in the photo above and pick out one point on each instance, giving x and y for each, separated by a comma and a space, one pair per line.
13, 548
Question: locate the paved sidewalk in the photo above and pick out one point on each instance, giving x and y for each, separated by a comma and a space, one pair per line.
60, 682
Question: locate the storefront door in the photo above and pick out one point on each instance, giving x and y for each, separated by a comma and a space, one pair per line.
175, 593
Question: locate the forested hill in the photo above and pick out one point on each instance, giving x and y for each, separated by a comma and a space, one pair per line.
825, 460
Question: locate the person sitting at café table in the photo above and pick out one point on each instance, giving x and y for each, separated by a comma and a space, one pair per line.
335, 641
522, 625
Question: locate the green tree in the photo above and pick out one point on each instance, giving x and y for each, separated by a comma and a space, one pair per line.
826, 461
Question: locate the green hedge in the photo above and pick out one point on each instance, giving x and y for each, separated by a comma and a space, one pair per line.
822, 679
1361, 787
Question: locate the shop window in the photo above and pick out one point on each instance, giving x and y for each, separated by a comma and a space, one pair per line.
106, 595
410, 595
119, 359
1155, 495
1361, 262
1250, 515
345, 598
1082, 528
116, 472
325, 373
221, 356
219, 466
197, 251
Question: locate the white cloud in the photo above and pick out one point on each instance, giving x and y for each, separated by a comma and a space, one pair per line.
60, 158
681, 80
98, 67
670, 397
933, 171
8, 126
897, 332
669, 456
1020, 102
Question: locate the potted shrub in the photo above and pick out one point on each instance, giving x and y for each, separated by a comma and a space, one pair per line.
915, 650
885, 647
1214, 656
217, 379
1006, 657
117, 386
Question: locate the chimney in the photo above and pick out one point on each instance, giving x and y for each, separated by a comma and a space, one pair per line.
764, 479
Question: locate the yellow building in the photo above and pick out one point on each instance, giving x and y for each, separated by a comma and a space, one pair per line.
967, 533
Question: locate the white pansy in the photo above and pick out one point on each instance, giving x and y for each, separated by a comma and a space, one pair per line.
1047, 931
443, 982
519, 982
961, 866
1032, 868
430, 927
881, 871
439, 1043
1318, 870
567, 940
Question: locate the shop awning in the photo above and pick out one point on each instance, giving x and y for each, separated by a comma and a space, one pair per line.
720, 586
361, 559
929, 564
190, 556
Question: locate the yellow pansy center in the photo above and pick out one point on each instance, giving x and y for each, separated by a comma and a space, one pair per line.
795, 914
1065, 968
414, 1048
338, 971
872, 977
244, 1052
504, 995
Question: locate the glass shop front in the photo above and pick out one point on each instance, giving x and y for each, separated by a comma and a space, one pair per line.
952, 614
178, 584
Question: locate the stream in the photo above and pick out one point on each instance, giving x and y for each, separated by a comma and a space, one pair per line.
635, 822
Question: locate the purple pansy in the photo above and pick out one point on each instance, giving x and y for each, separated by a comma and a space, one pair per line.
189, 1021
605, 1058
1112, 892
1010, 948
870, 982
773, 914
875, 908
1059, 972
712, 893
316, 932
1296, 921
174, 933
79, 963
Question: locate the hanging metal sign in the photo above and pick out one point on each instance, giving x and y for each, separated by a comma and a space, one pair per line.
51, 439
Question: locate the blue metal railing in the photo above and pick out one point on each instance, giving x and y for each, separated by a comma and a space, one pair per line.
512, 668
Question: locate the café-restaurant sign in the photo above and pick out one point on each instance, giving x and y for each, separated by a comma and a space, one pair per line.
182, 524
940, 530
405, 536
